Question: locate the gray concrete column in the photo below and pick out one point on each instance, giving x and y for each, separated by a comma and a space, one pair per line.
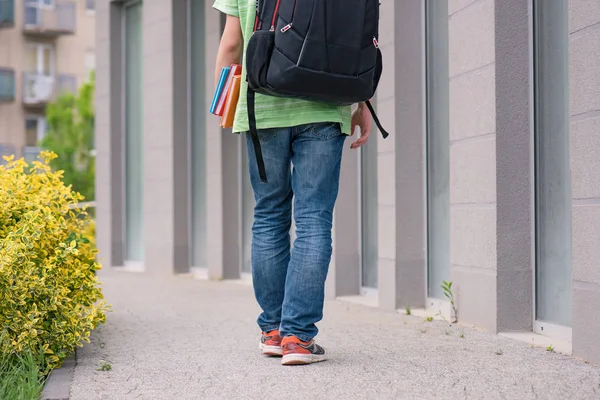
110, 230
181, 138
387, 282
223, 172
402, 273
166, 135
514, 166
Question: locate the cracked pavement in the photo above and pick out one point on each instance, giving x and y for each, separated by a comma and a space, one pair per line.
180, 338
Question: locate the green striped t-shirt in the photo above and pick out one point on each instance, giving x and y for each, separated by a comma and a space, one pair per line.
274, 112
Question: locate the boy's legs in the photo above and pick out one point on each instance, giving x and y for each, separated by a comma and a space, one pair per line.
297, 281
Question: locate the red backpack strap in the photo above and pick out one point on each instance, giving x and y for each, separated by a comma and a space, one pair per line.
257, 19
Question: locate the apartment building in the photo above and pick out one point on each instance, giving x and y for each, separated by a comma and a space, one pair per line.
46, 47
489, 178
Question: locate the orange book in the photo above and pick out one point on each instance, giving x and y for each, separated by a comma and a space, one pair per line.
231, 102
236, 69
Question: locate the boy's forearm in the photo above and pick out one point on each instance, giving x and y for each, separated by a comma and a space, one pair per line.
226, 56
230, 47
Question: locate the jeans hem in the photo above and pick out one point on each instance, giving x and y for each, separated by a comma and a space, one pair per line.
302, 338
269, 328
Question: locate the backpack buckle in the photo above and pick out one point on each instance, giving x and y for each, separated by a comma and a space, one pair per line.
286, 28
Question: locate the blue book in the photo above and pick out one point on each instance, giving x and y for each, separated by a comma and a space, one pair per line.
219, 89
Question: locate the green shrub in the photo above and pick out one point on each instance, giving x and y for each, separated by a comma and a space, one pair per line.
50, 299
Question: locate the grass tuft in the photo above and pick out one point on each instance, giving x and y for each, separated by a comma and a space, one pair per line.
20, 377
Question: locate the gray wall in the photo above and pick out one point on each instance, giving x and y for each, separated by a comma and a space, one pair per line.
584, 26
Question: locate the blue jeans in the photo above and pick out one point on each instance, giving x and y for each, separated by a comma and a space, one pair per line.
290, 285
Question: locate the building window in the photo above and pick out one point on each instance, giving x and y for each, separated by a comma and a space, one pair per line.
134, 166
438, 147
33, 11
35, 130
7, 85
90, 5
552, 164
46, 3
7, 13
40, 59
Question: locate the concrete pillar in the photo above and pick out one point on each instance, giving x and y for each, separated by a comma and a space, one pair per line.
110, 230
166, 197
402, 270
514, 161
223, 171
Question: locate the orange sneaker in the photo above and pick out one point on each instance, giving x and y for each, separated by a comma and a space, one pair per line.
270, 343
297, 352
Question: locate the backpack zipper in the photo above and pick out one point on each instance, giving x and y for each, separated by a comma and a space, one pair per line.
289, 26
275, 16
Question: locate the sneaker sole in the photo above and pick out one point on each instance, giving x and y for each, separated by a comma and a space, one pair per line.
272, 351
302, 359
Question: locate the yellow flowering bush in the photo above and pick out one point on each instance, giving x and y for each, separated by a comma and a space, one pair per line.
50, 299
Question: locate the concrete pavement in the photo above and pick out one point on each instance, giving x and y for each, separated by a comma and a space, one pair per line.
179, 338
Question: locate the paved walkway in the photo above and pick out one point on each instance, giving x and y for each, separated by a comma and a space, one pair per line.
186, 339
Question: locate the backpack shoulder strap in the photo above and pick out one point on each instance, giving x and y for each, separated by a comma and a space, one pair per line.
254, 136
384, 133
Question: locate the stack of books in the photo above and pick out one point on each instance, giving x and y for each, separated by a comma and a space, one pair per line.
226, 95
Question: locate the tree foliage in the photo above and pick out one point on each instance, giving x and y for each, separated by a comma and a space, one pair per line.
70, 136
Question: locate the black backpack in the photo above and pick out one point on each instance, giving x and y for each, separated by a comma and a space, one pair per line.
317, 50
